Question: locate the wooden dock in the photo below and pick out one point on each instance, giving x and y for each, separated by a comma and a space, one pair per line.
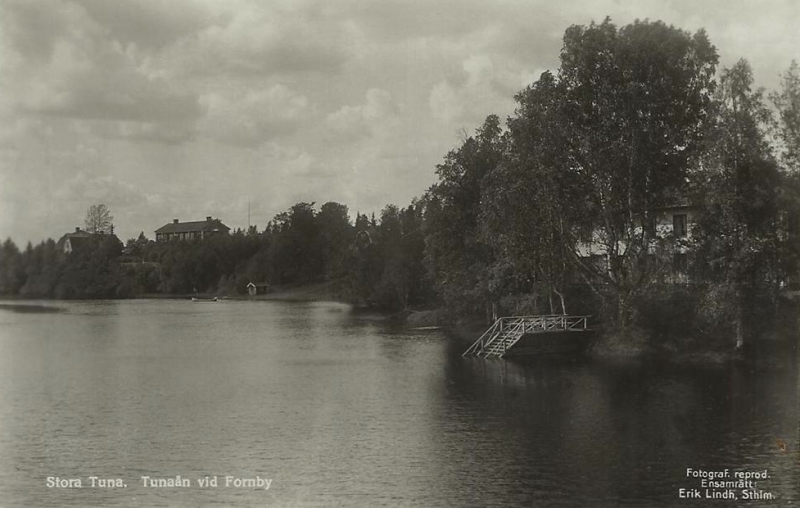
532, 335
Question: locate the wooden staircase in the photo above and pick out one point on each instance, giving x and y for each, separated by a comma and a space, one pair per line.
507, 331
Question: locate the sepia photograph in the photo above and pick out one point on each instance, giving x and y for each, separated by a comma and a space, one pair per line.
399, 253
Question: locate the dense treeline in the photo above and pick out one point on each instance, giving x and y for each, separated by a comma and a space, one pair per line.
374, 260
552, 211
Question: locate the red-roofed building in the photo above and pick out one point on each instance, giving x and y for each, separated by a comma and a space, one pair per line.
191, 230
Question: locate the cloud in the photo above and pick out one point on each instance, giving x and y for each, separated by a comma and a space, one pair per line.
149, 24
353, 122
86, 189
57, 61
260, 38
484, 87
256, 116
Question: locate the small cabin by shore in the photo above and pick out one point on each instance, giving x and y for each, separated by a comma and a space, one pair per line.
261, 288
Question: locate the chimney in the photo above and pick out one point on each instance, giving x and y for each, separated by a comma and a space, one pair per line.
208, 218
77, 230
174, 221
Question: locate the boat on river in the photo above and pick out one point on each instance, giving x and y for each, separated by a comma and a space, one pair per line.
533, 335
198, 299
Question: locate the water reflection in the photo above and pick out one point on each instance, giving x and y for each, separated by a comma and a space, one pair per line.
343, 409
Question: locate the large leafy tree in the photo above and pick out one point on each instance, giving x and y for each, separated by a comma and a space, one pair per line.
633, 106
787, 101
12, 270
523, 204
296, 254
336, 236
456, 255
737, 235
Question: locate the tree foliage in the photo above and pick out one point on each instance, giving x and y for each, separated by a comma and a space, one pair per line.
99, 219
737, 238
787, 101
456, 254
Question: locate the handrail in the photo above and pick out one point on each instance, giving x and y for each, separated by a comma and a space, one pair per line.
514, 327
475, 344
496, 335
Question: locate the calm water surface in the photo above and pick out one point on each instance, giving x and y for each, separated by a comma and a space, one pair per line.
341, 409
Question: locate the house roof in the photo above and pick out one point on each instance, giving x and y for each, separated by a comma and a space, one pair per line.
75, 237
79, 233
209, 225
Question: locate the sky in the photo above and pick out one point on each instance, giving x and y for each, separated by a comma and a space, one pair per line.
183, 109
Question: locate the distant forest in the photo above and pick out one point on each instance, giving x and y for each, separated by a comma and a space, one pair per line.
637, 118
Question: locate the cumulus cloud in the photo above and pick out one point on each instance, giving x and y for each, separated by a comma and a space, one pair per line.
57, 61
352, 122
261, 38
483, 88
256, 116
148, 24
85, 187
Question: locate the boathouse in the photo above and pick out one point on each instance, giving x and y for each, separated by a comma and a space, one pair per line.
261, 288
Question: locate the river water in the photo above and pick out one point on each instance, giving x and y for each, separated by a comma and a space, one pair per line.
341, 409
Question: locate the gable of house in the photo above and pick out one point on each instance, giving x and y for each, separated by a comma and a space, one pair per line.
75, 240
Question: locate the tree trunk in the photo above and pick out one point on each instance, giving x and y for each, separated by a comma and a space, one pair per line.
739, 324
561, 298
622, 310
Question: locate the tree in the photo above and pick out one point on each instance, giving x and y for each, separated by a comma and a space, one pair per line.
295, 248
456, 255
632, 108
12, 271
99, 219
523, 212
736, 238
336, 236
787, 101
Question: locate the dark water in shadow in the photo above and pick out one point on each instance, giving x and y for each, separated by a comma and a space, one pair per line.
27, 307
343, 410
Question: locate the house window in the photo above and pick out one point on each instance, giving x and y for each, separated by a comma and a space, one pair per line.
679, 224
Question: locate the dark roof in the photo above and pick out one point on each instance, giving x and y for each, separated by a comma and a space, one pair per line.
208, 226
76, 238
78, 234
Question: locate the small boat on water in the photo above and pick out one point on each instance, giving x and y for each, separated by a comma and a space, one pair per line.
198, 299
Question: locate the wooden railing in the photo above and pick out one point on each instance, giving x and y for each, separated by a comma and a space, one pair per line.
514, 327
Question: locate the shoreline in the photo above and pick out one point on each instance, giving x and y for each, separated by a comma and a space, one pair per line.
609, 347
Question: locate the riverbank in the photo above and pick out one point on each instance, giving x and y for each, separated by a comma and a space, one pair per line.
332, 291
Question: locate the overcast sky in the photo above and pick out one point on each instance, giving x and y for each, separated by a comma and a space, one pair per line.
188, 108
